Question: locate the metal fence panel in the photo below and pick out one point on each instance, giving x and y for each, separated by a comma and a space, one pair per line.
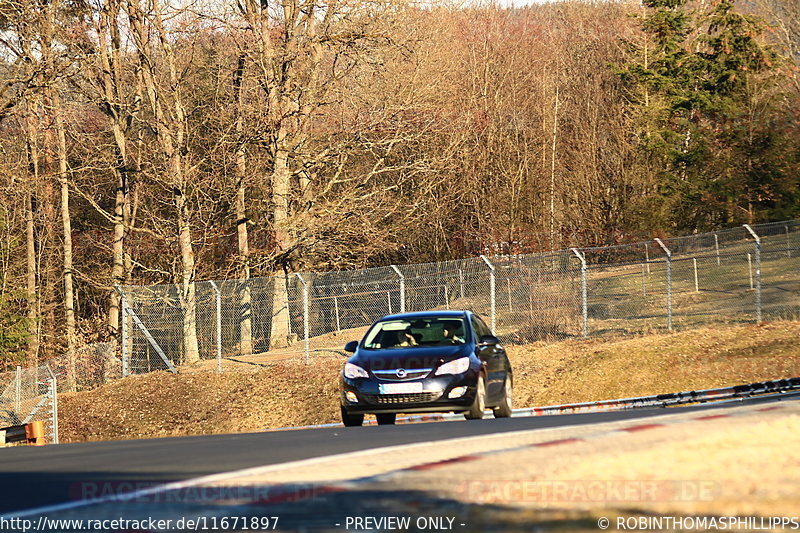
623, 289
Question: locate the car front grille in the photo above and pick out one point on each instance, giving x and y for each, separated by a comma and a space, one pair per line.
392, 399
391, 375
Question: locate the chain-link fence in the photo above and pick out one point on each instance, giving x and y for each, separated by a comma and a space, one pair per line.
28, 395
732, 276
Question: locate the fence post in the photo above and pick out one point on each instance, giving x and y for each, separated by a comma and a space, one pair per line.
788, 244
402, 288
218, 320
508, 289
716, 246
696, 281
491, 292
647, 257
644, 282
123, 304
669, 282
336, 310
758, 271
306, 341
584, 295
461, 283
54, 404
750, 268
18, 387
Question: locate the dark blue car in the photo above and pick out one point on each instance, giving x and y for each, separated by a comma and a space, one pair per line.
432, 361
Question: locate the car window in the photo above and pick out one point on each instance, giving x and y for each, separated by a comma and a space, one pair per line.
476, 328
434, 331
484, 328
479, 328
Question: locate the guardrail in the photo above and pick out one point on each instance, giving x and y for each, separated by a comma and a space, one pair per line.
666, 400
639, 402
32, 433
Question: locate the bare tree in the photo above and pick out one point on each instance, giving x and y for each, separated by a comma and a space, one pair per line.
171, 125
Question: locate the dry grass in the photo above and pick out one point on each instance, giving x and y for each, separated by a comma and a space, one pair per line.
162, 404
599, 369
290, 393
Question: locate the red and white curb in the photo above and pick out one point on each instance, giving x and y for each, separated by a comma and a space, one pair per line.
295, 492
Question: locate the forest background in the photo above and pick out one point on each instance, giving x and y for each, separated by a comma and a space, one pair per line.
165, 141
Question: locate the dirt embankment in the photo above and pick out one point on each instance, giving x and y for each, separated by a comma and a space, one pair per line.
292, 393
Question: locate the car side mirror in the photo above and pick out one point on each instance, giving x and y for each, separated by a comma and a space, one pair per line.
486, 340
351, 346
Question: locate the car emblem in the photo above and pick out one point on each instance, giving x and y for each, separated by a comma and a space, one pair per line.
401, 373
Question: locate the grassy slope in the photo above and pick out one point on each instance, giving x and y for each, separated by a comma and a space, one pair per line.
291, 393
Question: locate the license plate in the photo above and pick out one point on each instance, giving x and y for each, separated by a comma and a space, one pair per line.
399, 388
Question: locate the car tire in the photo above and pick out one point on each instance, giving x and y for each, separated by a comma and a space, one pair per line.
386, 419
351, 420
506, 406
479, 404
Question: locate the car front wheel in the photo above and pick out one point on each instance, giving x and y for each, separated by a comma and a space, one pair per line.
479, 404
351, 420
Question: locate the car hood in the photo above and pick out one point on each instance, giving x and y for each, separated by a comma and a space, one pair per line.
408, 358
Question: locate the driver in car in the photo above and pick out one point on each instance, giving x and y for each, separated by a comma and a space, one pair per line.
450, 329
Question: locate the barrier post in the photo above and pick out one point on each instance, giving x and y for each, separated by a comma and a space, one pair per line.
402, 288
788, 243
34, 433
758, 271
584, 294
669, 282
307, 346
644, 282
123, 304
218, 320
54, 405
18, 387
336, 311
491, 293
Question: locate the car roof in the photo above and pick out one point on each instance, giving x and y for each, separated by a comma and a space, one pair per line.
427, 314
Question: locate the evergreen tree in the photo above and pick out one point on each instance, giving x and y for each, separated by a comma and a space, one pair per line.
702, 91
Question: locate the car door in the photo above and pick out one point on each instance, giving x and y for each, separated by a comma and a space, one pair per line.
492, 355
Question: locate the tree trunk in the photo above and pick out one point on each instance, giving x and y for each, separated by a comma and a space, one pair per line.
191, 349
47, 248
170, 130
69, 293
118, 253
110, 74
279, 330
552, 243
33, 315
245, 303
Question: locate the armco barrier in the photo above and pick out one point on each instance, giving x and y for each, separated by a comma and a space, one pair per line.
32, 433
665, 400
657, 400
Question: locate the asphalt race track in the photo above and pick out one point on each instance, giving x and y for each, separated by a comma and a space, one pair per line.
34, 477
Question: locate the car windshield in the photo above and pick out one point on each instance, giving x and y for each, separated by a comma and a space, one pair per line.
415, 332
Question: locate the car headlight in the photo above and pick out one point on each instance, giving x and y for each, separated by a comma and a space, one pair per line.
352, 371
456, 366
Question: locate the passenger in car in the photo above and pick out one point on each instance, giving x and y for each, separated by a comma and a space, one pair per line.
406, 338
